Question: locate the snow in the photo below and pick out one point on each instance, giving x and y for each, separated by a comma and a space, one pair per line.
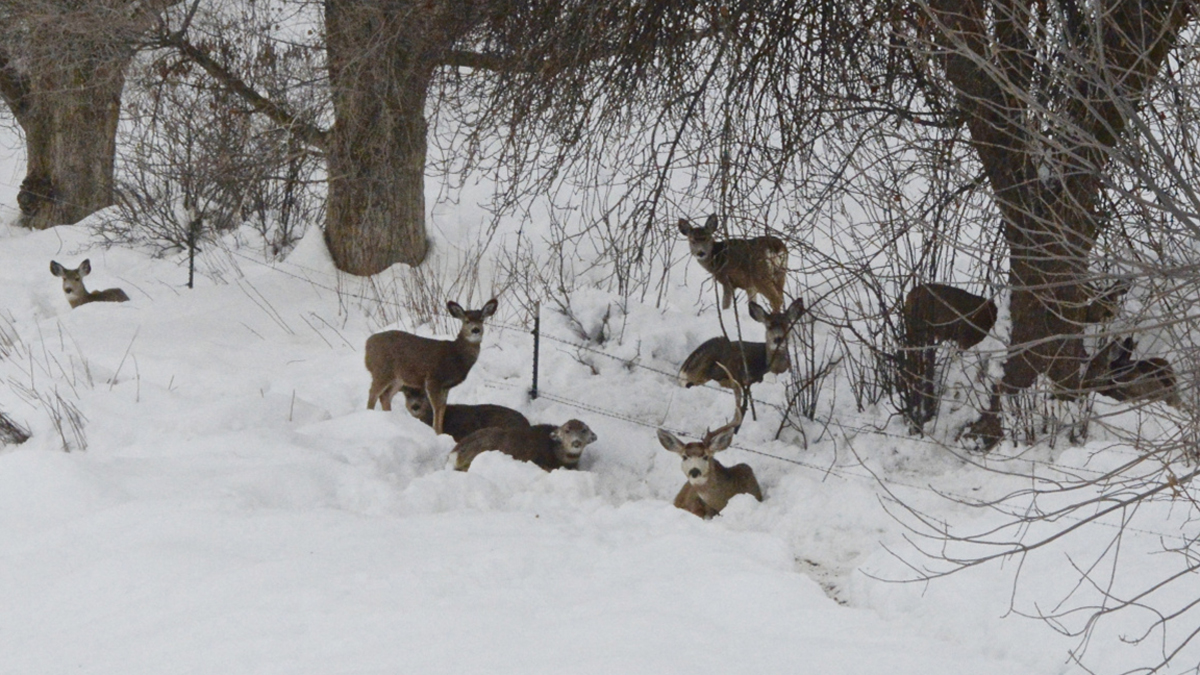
230, 506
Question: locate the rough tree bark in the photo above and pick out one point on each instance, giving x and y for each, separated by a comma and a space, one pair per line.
62, 70
1046, 182
382, 56
376, 151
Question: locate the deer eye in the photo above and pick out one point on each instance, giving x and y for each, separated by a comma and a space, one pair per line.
576, 444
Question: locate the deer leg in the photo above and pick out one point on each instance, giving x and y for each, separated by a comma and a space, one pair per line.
774, 298
437, 399
383, 394
727, 300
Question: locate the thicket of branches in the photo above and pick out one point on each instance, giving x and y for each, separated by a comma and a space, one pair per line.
194, 160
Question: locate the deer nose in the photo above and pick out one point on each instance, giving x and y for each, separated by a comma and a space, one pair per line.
694, 473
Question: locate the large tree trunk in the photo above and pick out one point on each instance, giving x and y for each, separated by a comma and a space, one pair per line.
376, 153
1046, 182
70, 124
62, 68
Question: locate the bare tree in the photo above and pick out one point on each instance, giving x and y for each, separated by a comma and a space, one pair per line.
194, 160
62, 70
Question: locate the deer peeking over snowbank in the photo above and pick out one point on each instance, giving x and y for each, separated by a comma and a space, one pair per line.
74, 289
546, 445
710, 485
461, 421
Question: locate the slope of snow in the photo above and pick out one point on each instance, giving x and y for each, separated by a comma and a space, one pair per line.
229, 506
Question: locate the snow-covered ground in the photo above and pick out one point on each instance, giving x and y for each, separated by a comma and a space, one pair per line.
230, 506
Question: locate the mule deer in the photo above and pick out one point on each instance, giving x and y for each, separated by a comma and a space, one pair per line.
461, 421
396, 358
546, 445
757, 265
74, 289
933, 314
710, 485
1113, 373
741, 363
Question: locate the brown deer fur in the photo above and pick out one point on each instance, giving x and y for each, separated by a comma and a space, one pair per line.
461, 421
729, 361
74, 289
545, 445
757, 265
710, 485
396, 358
1113, 373
935, 313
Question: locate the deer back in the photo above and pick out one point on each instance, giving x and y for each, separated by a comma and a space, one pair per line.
1105, 304
704, 363
1112, 372
548, 446
935, 313
758, 264
462, 420
413, 360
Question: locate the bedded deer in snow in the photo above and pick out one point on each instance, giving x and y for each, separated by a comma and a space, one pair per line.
756, 265
731, 362
546, 445
710, 485
1113, 373
396, 359
74, 289
461, 421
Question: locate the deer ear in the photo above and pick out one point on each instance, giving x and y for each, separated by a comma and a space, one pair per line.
757, 312
455, 310
56, 269
795, 310
669, 442
685, 228
85, 268
721, 441
711, 224
489, 308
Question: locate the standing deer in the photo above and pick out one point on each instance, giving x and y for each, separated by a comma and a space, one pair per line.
1113, 373
732, 363
461, 421
935, 313
710, 485
757, 265
546, 445
396, 358
74, 289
